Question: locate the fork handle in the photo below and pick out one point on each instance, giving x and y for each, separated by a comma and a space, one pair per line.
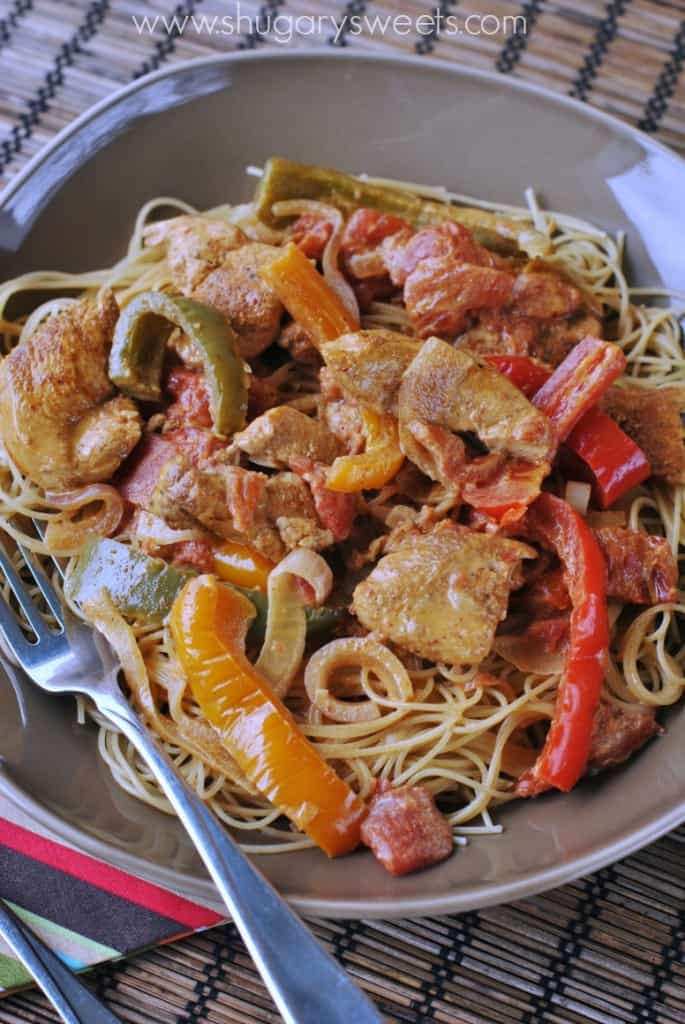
307, 984
73, 1001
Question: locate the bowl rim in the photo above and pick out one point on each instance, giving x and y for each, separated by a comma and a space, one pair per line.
200, 888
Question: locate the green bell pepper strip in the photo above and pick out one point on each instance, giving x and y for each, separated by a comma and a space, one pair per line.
139, 347
142, 587
319, 620
139, 586
285, 179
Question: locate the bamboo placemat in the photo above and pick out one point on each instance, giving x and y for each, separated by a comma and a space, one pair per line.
607, 949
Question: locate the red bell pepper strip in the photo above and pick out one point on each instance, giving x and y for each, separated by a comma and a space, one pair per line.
579, 382
527, 374
616, 462
554, 523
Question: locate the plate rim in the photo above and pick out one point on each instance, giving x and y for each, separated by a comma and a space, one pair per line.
200, 888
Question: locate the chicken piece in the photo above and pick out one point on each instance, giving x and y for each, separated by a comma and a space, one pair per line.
448, 388
405, 829
641, 569
544, 293
340, 413
369, 365
290, 506
502, 333
440, 295
554, 339
186, 495
441, 596
298, 343
617, 732
282, 434
275, 514
652, 418
344, 420
215, 263
194, 246
498, 333
237, 290
60, 419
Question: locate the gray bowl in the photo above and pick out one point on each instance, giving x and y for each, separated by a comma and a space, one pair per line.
190, 131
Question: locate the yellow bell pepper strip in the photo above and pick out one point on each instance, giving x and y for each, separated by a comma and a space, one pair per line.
139, 586
139, 347
378, 463
242, 564
285, 179
307, 296
208, 624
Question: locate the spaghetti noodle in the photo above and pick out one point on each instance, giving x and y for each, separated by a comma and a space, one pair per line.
439, 725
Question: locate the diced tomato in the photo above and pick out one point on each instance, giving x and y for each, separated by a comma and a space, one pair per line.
191, 407
509, 493
641, 568
139, 475
336, 511
244, 492
198, 554
311, 233
440, 295
366, 229
448, 241
405, 829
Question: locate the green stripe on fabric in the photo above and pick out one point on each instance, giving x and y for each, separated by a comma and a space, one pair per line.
12, 973
78, 948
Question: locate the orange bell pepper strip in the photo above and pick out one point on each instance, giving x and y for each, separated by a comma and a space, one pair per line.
307, 296
242, 564
379, 462
208, 624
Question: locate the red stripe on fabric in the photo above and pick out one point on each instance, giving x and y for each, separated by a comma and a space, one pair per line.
127, 887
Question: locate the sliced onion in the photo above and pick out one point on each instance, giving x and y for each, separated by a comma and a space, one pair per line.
68, 535
286, 624
578, 495
354, 652
309, 566
194, 735
331, 269
153, 529
519, 651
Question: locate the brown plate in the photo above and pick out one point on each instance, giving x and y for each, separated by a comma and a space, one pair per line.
190, 131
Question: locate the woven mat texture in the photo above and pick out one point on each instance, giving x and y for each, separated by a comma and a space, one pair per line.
607, 949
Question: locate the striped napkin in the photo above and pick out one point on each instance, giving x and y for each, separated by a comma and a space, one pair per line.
85, 910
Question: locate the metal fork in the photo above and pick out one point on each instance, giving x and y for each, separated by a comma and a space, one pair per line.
307, 984
73, 1001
